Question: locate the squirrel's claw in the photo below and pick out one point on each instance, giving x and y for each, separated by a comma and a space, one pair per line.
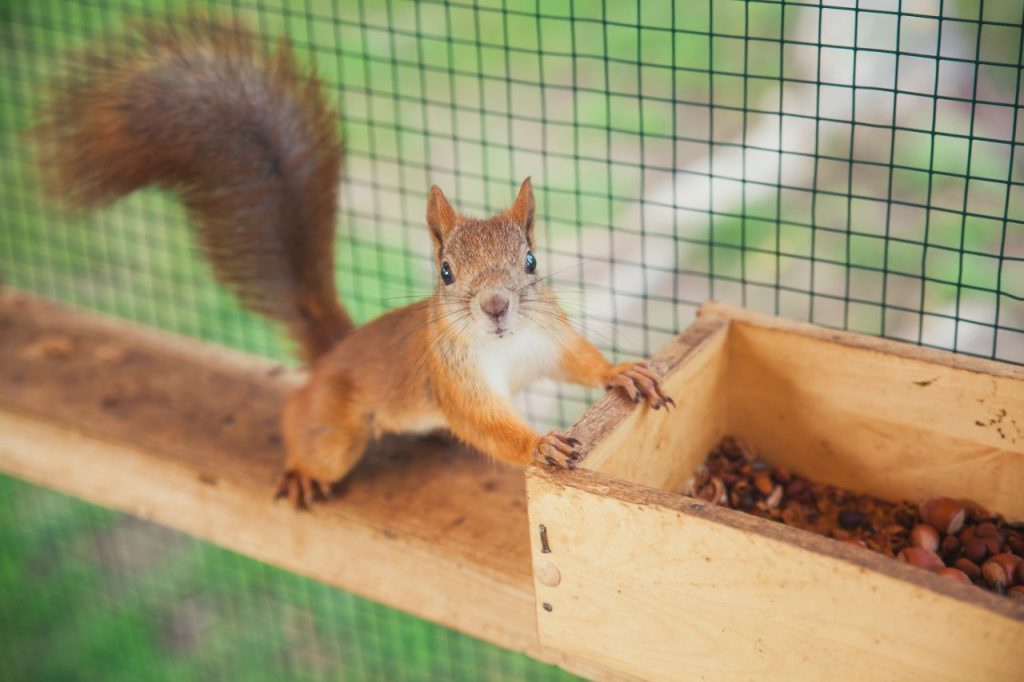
558, 450
640, 384
301, 490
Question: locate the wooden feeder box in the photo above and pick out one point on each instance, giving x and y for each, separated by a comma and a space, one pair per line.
631, 574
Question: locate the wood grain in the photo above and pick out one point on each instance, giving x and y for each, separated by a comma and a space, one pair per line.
863, 341
662, 448
186, 434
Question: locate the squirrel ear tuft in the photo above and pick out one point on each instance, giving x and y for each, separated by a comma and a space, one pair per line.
522, 211
441, 217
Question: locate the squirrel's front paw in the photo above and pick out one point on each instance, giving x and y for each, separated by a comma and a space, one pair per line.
301, 490
639, 384
558, 450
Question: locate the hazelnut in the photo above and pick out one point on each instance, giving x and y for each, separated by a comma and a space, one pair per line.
763, 483
987, 530
922, 558
925, 536
713, 491
944, 514
969, 568
995, 575
975, 550
993, 544
1010, 564
954, 574
950, 546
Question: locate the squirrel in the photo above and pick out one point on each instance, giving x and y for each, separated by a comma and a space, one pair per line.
249, 144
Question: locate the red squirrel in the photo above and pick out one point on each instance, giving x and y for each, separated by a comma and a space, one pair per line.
251, 147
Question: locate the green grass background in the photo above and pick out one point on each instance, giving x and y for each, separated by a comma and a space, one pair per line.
578, 95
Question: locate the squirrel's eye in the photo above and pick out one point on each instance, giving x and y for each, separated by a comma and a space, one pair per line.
531, 262
446, 273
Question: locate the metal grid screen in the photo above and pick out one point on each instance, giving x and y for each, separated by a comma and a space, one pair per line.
856, 165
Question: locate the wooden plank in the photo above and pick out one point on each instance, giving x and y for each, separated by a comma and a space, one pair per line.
864, 341
899, 426
662, 448
186, 435
667, 588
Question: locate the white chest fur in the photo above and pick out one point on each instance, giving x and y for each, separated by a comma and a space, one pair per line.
511, 363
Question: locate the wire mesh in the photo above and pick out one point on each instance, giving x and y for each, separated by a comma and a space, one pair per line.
854, 163
93, 594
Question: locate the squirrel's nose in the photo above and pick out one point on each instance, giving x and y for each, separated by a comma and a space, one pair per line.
496, 306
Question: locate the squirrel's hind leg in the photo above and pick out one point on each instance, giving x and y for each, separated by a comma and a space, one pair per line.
325, 433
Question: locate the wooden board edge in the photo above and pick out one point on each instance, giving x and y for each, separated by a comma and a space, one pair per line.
901, 349
608, 413
239, 517
599, 484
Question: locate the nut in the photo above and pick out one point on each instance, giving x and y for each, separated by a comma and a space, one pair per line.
950, 547
944, 514
969, 568
986, 529
993, 544
925, 536
922, 558
954, 574
995, 575
1016, 593
958, 540
1010, 564
713, 491
975, 550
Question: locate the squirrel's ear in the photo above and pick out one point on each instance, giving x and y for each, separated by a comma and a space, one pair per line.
441, 217
522, 211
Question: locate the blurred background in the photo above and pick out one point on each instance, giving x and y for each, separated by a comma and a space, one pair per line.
856, 165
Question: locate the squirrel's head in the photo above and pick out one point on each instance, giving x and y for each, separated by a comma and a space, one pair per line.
487, 273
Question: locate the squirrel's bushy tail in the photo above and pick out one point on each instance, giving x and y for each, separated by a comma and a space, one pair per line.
239, 133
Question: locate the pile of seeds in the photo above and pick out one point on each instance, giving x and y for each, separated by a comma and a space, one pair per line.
960, 542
